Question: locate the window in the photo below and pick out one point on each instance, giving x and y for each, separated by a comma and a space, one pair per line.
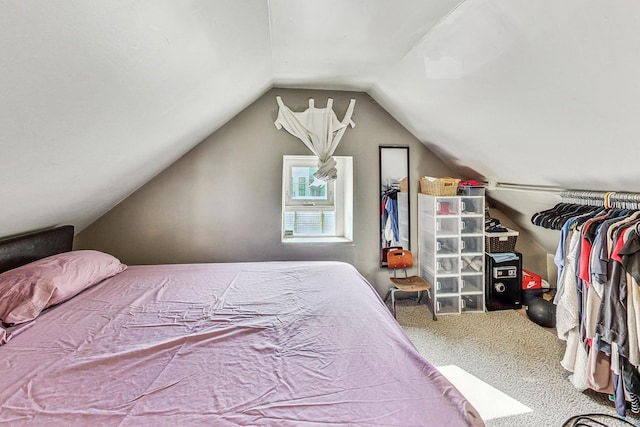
314, 210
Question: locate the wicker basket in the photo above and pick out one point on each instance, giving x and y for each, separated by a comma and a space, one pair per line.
500, 242
404, 185
439, 186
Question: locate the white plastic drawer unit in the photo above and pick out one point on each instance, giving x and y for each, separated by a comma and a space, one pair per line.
447, 245
471, 283
472, 263
447, 226
445, 206
471, 303
447, 305
447, 285
448, 265
471, 244
472, 225
471, 206
451, 242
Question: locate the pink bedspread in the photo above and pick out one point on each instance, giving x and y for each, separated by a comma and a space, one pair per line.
282, 344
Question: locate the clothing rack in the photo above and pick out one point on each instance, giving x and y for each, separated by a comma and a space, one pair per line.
597, 293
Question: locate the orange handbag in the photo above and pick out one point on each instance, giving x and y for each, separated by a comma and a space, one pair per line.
400, 258
385, 252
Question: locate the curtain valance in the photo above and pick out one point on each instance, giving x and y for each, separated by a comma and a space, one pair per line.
319, 129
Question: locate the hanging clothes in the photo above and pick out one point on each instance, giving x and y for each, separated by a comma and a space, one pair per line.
598, 297
567, 319
389, 212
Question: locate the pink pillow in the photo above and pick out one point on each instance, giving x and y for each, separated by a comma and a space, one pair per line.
26, 291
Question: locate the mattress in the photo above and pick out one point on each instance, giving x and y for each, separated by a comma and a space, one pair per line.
272, 343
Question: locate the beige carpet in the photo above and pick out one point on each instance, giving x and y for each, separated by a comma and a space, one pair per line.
510, 353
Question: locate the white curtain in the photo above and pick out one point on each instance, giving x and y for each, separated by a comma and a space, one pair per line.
319, 129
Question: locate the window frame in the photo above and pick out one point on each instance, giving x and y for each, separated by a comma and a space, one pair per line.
339, 200
304, 161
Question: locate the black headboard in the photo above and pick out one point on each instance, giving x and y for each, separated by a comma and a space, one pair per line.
25, 248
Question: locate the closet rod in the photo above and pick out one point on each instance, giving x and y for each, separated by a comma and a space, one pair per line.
524, 187
552, 189
612, 198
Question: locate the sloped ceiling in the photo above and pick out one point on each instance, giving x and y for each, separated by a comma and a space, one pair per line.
98, 97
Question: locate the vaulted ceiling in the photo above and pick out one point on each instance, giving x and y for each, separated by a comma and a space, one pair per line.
98, 97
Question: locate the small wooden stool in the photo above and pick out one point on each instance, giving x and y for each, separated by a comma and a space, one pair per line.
403, 259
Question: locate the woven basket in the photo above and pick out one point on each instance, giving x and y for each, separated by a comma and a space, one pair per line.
439, 186
500, 242
404, 185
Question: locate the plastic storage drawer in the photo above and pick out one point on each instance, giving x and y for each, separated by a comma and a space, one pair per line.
470, 303
447, 305
447, 285
471, 284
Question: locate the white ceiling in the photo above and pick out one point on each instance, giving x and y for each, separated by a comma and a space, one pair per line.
98, 97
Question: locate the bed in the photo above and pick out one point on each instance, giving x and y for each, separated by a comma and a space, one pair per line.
220, 344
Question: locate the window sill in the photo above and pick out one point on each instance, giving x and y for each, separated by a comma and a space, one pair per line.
317, 240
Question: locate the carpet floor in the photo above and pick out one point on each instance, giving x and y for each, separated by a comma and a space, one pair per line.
512, 354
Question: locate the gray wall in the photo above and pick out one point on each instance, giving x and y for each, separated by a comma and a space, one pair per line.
222, 200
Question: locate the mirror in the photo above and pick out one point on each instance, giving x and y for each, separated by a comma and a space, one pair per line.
394, 199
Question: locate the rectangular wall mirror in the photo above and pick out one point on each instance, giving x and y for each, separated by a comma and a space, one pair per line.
394, 199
